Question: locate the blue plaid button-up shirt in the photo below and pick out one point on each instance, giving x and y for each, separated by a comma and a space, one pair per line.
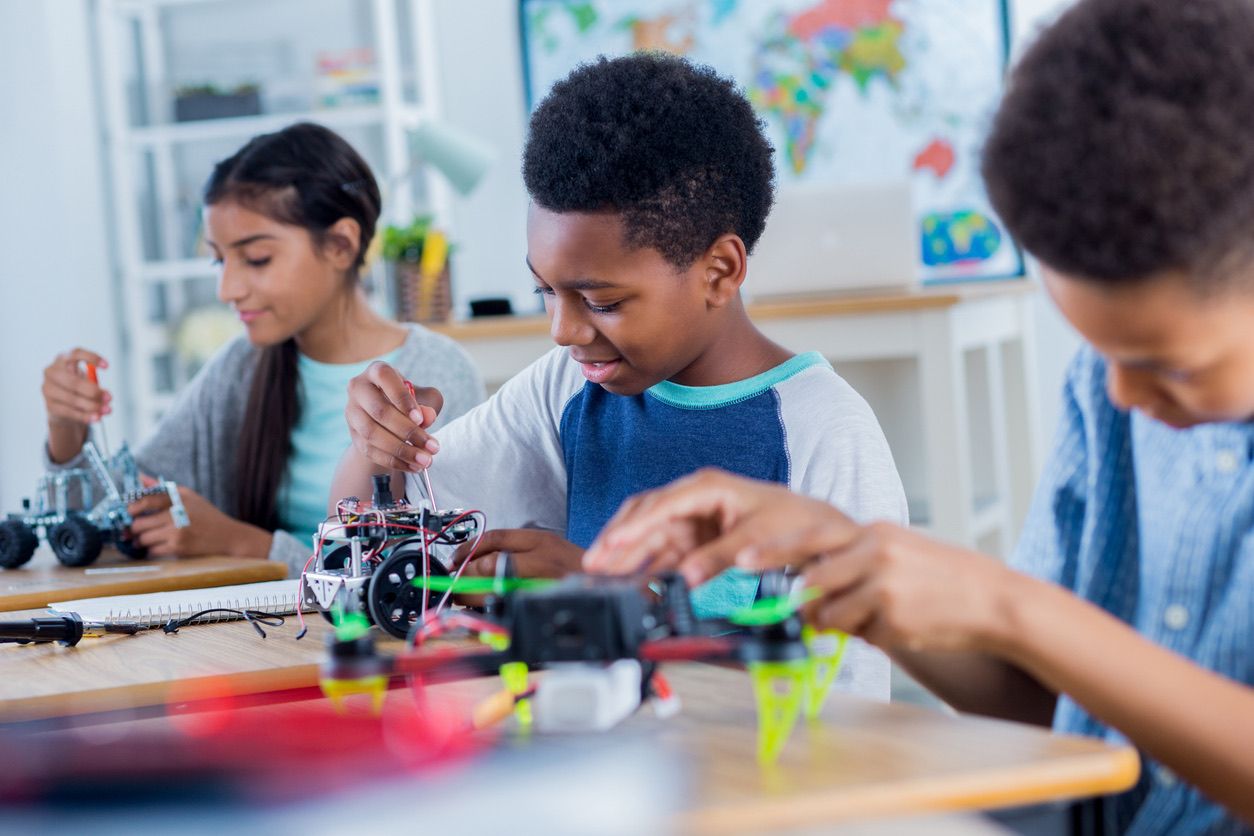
1156, 526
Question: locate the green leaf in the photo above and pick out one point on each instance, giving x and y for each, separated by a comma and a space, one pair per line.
406, 242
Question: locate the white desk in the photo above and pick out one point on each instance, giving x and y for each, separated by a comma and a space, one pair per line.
949, 371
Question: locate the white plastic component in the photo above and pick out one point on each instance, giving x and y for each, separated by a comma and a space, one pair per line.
666, 708
578, 697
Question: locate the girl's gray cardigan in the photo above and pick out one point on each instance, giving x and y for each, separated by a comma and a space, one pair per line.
194, 444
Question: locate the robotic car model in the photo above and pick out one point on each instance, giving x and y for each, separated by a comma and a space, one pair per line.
81, 510
368, 554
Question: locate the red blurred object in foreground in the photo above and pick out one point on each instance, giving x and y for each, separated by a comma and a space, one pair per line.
265, 754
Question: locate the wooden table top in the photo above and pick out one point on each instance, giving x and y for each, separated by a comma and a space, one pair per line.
863, 759
44, 581
836, 304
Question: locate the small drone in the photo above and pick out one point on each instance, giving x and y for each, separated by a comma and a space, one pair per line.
600, 640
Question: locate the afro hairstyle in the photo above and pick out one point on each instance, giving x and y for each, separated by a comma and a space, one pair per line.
673, 148
1124, 147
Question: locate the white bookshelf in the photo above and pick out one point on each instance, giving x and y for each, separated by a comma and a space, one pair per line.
145, 49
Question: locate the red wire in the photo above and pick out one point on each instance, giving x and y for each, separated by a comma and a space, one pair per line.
661, 688
688, 648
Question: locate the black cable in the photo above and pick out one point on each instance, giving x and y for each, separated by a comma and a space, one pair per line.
251, 616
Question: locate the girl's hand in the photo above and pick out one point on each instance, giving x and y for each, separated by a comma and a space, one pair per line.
893, 587
211, 532
387, 419
700, 523
72, 401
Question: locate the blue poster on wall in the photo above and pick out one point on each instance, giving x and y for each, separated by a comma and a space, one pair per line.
853, 92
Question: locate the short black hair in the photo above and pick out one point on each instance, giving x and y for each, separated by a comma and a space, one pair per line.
674, 148
1124, 147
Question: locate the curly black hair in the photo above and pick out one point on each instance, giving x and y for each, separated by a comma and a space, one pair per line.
1124, 147
674, 148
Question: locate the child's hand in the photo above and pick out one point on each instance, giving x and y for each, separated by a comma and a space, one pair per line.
894, 587
882, 582
534, 552
210, 532
387, 419
72, 401
699, 524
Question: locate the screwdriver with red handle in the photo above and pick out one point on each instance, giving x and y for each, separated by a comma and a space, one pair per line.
104, 439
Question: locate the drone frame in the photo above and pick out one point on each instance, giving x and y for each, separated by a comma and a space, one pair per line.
599, 620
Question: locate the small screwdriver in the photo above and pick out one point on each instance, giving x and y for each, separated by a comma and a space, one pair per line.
104, 439
69, 629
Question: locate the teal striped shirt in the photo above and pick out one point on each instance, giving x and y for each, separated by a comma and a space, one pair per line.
319, 438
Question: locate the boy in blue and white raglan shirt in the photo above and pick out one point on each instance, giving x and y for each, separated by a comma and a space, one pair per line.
650, 181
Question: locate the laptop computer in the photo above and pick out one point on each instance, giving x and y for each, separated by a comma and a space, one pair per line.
827, 239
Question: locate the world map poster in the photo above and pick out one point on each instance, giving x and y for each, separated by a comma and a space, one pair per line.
853, 92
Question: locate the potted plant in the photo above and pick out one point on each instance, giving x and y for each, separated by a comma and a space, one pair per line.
206, 101
419, 256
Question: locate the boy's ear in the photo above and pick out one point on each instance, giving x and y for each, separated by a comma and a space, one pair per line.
342, 242
724, 264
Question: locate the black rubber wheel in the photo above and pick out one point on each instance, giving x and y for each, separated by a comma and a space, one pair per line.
18, 542
393, 600
75, 541
337, 558
128, 547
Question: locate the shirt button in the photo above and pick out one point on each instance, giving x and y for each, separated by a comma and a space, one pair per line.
1226, 461
1165, 776
1176, 617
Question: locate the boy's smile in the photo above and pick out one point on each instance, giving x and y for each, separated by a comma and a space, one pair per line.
630, 317
1179, 357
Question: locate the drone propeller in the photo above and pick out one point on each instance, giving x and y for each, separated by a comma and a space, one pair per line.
349, 626
787, 687
772, 610
480, 586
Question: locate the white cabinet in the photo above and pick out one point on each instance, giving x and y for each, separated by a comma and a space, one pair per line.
184, 83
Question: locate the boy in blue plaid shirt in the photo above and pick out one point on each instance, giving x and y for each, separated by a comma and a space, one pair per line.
1123, 159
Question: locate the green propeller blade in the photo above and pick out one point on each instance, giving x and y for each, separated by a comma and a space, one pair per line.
480, 586
771, 610
349, 626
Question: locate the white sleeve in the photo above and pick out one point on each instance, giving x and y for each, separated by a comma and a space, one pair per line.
836, 449
504, 457
837, 452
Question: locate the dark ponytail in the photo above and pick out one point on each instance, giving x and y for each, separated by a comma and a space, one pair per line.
304, 175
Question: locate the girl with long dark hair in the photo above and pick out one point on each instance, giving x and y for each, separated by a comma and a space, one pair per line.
253, 440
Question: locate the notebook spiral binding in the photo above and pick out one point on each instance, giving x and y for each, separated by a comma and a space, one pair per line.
156, 616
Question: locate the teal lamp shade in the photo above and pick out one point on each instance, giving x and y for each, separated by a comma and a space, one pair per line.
462, 158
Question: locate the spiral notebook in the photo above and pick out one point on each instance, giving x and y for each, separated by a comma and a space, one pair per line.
155, 609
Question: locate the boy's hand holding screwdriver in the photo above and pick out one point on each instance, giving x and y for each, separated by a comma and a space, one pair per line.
388, 419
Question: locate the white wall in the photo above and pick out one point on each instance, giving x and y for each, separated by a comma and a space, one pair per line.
482, 92
55, 275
